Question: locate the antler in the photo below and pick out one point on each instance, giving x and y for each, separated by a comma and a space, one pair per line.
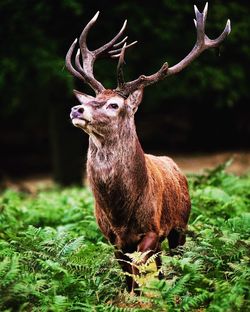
84, 70
202, 43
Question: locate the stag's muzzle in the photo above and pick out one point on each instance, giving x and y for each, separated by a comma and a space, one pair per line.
77, 112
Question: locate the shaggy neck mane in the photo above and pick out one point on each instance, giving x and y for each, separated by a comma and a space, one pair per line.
117, 173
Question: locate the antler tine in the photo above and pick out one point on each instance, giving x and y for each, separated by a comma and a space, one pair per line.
86, 69
120, 42
200, 25
120, 49
68, 63
105, 47
120, 76
84, 34
205, 12
202, 43
212, 43
78, 64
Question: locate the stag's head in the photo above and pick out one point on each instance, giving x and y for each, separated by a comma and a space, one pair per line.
105, 113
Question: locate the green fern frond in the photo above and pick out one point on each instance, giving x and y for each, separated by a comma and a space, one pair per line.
191, 302
137, 256
71, 247
9, 270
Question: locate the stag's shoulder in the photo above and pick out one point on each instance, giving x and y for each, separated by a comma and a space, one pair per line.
162, 163
166, 169
165, 173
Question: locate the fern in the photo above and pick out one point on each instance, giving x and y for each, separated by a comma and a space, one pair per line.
9, 270
54, 258
190, 303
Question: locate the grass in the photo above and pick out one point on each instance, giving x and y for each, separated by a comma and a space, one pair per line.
54, 258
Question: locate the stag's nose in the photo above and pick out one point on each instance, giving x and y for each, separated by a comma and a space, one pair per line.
76, 111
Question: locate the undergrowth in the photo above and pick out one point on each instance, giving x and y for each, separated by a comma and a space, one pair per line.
54, 258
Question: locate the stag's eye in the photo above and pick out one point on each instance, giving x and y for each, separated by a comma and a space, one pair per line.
113, 106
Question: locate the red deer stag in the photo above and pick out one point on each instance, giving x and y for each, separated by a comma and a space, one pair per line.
140, 199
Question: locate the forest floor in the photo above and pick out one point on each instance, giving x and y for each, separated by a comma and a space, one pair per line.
198, 163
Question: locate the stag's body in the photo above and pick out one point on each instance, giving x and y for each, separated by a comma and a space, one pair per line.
140, 199
135, 194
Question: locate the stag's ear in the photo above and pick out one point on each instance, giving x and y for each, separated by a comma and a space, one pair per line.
82, 97
134, 99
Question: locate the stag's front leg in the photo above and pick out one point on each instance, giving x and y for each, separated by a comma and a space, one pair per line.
126, 267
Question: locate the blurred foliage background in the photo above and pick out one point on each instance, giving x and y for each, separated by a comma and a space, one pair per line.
204, 108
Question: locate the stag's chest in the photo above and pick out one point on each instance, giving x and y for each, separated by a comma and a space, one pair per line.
117, 185
113, 196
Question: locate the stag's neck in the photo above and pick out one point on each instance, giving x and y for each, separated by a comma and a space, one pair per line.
117, 157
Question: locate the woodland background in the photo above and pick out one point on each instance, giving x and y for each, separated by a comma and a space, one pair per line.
48, 235
203, 109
